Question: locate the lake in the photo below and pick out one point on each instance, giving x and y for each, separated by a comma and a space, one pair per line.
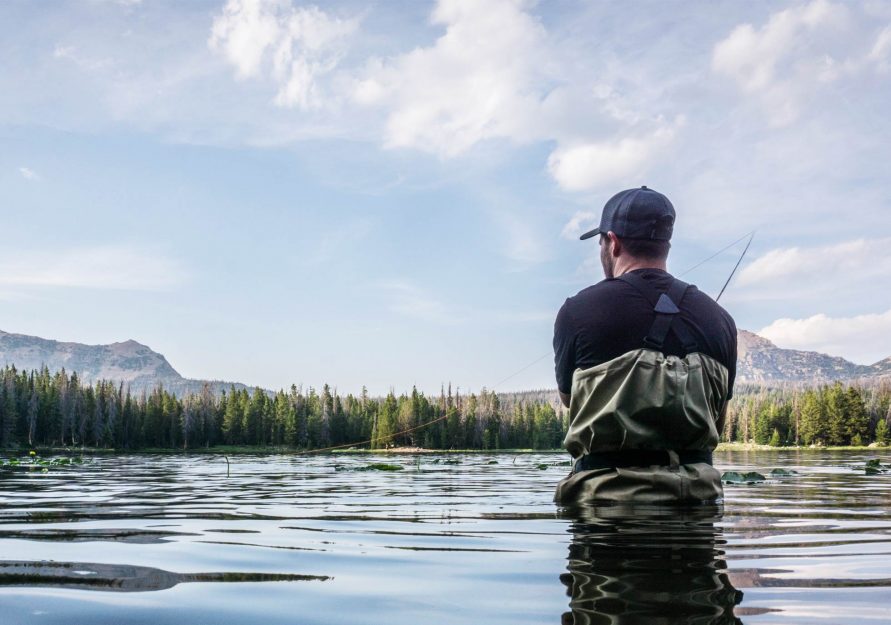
471, 538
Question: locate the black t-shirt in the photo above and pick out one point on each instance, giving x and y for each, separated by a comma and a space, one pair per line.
612, 318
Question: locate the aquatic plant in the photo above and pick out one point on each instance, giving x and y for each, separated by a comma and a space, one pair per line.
735, 477
33, 461
873, 466
782, 472
371, 467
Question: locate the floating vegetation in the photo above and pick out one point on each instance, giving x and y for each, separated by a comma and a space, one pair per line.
382, 467
451, 462
873, 466
33, 461
782, 473
492, 462
542, 467
735, 477
371, 467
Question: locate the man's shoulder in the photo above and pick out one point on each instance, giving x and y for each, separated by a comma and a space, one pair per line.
704, 303
602, 291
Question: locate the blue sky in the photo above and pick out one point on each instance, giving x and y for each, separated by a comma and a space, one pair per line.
390, 193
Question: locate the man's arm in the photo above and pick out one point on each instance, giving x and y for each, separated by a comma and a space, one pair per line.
564, 352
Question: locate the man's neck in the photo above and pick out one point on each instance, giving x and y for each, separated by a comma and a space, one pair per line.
633, 265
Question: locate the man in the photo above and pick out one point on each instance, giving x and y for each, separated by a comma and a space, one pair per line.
646, 365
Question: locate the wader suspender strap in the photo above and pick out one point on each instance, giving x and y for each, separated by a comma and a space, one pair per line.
666, 307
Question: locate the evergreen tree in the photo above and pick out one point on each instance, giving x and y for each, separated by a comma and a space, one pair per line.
882, 432
814, 429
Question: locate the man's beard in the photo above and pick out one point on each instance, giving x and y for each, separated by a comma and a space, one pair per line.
606, 259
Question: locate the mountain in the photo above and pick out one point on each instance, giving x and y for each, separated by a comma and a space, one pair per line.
134, 364
139, 367
761, 362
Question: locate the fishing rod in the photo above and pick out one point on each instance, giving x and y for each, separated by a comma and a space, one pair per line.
736, 266
750, 235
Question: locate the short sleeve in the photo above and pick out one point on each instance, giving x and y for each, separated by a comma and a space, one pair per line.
731, 361
564, 348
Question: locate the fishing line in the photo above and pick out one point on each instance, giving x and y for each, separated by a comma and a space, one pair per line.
720, 251
750, 235
422, 425
376, 439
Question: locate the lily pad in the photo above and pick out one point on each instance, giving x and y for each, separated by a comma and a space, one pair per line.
371, 467
381, 467
735, 477
873, 467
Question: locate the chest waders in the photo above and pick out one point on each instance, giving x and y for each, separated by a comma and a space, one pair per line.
642, 426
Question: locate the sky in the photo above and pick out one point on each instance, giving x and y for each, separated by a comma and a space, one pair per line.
390, 193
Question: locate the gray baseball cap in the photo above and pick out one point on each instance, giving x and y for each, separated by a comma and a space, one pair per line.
636, 214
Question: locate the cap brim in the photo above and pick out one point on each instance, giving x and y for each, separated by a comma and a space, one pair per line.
588, 235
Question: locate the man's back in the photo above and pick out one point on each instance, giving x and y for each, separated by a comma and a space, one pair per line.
612, 317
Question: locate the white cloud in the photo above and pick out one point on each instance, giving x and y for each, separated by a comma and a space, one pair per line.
28, 174
752, 57
296, 46
491, 72
328, 247
862, 260
482, 79
496, 73
107, 267
411, 301
863, 338
591, 165
84, 62
782, 61
523, 242
880, 54
579, 223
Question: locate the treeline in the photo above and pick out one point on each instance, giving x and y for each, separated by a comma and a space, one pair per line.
828, 415
43, 409
39, 408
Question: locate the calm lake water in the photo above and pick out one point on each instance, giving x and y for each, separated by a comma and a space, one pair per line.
457, 539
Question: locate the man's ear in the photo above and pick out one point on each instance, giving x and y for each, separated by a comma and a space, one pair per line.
616, 243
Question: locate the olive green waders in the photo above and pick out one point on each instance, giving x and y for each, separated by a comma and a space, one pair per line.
643, 425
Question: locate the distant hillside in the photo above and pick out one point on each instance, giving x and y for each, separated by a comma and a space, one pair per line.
141, 368
761, 362
134, 364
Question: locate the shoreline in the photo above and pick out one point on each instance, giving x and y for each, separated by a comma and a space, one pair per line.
224, 450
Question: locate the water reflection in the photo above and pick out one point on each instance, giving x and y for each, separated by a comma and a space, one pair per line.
121, 577
156, 539
648, 565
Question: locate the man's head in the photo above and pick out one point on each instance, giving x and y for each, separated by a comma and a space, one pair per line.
635, 231
631, 253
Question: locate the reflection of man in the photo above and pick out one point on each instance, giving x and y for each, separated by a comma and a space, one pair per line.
648, 566
645, 364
